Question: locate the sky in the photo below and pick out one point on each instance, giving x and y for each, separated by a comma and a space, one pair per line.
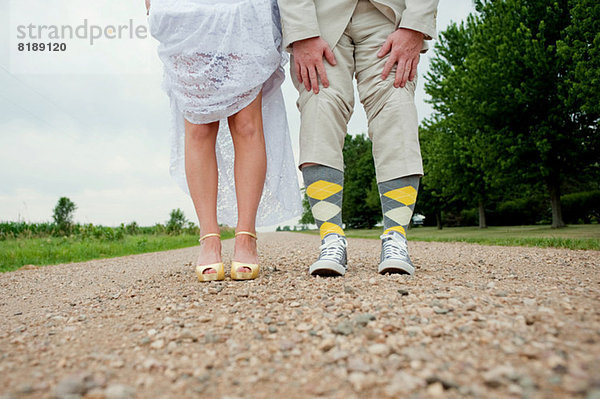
92, 123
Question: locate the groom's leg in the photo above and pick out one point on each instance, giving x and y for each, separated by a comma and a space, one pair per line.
324, 120
393, 128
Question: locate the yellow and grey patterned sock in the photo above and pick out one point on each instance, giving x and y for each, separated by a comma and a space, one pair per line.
398, 198
324, 188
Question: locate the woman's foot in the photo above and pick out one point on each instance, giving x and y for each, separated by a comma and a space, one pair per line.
210, 253
245, 251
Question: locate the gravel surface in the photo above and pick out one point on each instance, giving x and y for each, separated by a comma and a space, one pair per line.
475, 321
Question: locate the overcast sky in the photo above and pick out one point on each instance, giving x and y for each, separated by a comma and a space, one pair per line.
97, 132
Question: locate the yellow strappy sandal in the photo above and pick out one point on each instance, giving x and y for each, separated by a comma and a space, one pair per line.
218, 267
254, 268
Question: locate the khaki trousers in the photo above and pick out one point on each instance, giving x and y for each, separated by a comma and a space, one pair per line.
391, 112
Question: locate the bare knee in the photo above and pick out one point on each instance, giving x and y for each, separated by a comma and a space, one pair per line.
201, 133
245, 126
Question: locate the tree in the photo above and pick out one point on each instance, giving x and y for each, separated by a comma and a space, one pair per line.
506, 88
307, 216
455, 146
515, 64
361, 205
579, 52
177, 221
63, 214
579, 49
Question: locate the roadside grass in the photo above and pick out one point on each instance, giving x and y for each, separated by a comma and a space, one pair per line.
15, 253
572, 237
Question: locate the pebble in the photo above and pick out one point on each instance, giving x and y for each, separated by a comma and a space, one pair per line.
496, 377
286, 345
158, 344
403, 383
435, 390
446, 383
378, 349
327, 344
593, 394
302, 327
72, 385
358, 364
529, 302
413, 330
344, 328
359, 381
403, 292
119, 391
96, 393
364, 319
439, 310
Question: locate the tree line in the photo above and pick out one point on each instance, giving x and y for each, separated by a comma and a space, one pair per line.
516, 103
63, 225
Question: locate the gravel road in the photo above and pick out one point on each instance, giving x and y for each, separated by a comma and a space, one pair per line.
475, 321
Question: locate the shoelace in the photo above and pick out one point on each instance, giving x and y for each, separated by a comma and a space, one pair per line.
333, 250
394, 246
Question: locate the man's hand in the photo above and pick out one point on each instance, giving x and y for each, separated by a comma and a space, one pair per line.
308, 57
404, 47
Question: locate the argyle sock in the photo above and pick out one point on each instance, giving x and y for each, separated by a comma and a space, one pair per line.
324, 188
398, 198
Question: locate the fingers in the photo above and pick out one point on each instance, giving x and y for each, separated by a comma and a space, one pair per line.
387, 46
314, 80
329, 56
322, 74
298, 73
413, 72
405, 71
308, 60
400, 74
387, 68
305, 77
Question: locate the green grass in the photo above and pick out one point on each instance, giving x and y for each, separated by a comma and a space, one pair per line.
572, 237
15, 253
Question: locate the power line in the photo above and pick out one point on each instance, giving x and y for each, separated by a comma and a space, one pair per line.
43, 96
28, 112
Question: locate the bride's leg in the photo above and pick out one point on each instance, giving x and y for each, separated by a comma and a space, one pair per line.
250, 168
202, 179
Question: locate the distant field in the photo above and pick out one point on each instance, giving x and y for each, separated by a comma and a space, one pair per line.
15, 253
572, 237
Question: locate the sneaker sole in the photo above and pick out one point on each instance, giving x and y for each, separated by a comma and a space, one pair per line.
327, 270
396, 267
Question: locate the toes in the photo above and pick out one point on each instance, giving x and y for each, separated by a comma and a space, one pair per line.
244, 270
209, 271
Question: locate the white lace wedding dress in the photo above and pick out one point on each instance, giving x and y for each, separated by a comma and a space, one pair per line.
217, 56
